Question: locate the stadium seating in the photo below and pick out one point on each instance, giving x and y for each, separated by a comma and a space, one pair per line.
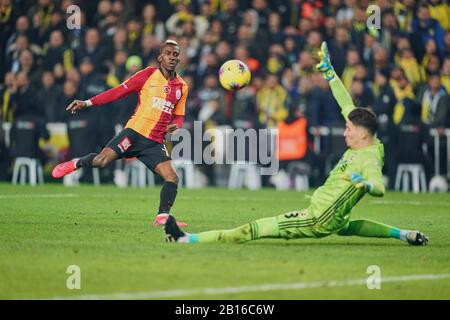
417, 174
34, 167
137, 174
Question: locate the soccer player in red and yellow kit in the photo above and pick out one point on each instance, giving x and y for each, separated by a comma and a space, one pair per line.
162, 99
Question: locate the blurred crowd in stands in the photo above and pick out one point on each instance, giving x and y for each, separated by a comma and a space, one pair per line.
401, 70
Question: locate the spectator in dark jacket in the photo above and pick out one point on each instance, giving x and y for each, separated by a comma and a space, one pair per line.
338, 48
231, 18
424, 28
68, 94
434, 102
7, 92
58, 53
29, 65
93, 50
48, 97
25, 98
91, 84
22, 28
383, 106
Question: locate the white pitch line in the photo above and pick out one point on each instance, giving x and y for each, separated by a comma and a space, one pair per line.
209, 198
55, 195
246, 199
253, 288
413, 203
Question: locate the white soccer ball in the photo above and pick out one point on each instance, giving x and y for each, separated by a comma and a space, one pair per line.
438, 184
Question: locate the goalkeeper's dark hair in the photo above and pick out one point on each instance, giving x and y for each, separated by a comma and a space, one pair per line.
365, 118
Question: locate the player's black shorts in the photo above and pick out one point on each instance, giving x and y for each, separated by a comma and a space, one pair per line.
129, 144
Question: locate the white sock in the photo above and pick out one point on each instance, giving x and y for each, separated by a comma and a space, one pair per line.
184, 239
75, 163
403, 234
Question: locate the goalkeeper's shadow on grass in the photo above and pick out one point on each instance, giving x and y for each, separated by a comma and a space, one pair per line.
300, 243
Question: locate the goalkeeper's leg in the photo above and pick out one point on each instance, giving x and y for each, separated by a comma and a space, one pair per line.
287, 226
261, 228
369, 228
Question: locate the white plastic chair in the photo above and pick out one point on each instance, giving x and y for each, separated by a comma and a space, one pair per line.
35, 172
417, 174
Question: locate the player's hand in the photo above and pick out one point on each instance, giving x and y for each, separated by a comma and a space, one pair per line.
325, 65
172, 128
76, 105
359, 181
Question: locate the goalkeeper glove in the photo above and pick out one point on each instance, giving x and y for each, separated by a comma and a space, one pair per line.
325, 64
360, 182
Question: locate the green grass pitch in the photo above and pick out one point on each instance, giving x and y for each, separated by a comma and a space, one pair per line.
107, 232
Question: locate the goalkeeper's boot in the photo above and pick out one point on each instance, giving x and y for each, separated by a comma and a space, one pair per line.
416, 238
64, 168
173, 232
161, 219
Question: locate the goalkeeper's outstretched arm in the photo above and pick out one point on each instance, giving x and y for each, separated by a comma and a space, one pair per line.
372, 183
340, 93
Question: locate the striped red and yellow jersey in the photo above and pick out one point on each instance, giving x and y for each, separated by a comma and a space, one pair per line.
161, 102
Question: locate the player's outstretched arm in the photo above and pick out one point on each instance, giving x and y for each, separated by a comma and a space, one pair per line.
340, 93
134, 84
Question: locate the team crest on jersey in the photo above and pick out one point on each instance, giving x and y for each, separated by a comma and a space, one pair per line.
166, 89
178, 94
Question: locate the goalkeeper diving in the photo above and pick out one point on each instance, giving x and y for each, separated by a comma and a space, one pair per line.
357, 173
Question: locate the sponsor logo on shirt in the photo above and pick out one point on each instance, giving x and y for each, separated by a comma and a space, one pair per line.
162, 105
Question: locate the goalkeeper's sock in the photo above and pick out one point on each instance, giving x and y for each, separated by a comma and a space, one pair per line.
167, 196
188, 238
399, 234
85, 161
369, 228
237, 235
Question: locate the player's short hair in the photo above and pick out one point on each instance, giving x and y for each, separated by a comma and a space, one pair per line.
365, 118
168, 43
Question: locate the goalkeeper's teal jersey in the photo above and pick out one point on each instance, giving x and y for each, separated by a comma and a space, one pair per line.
337, 196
